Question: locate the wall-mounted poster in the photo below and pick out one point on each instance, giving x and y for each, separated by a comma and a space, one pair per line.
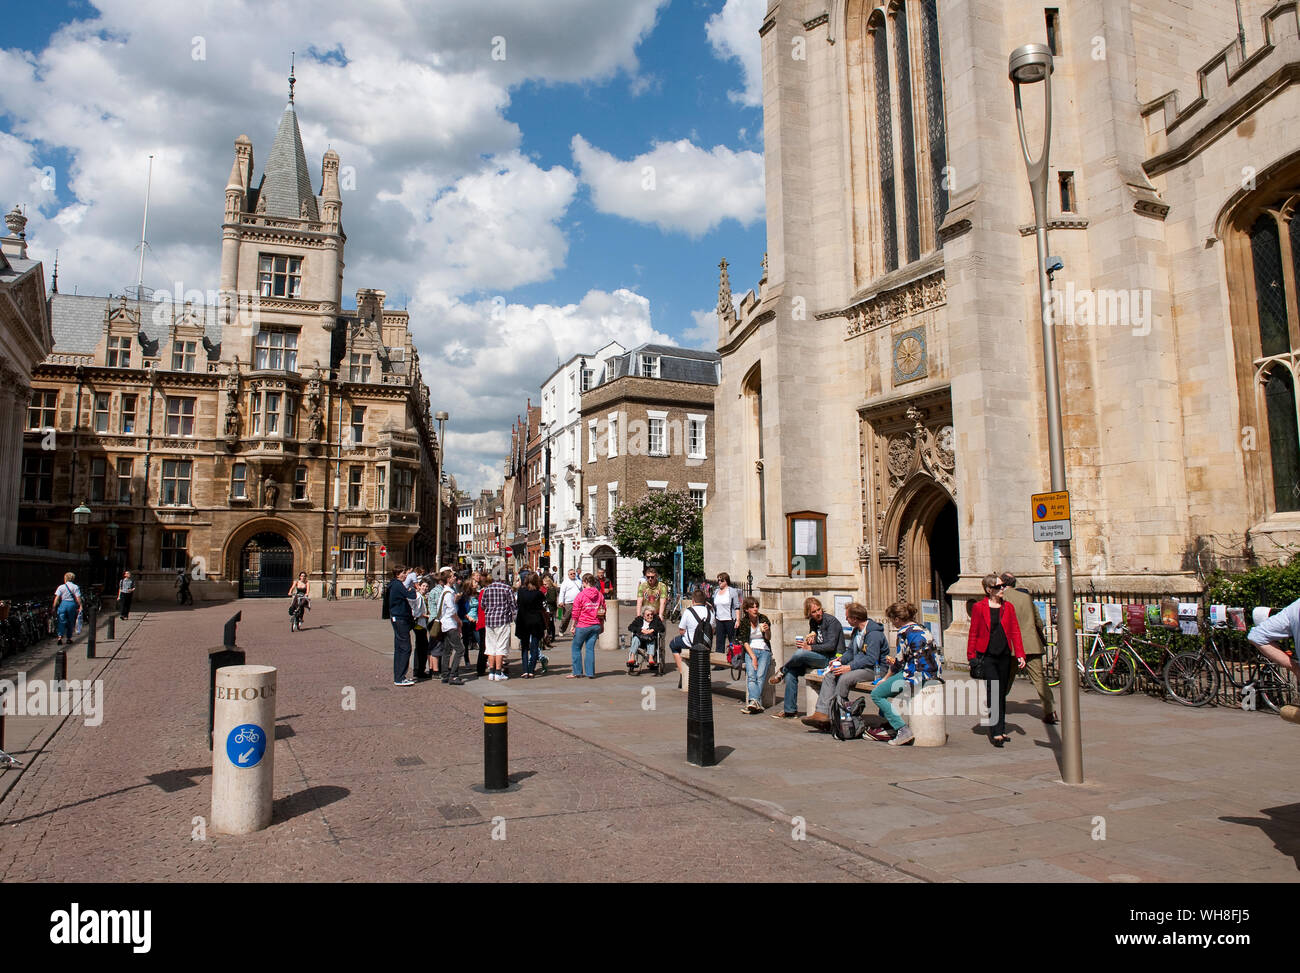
932, 620
1237, 619
1168, 613
1136, 618
1187, 623
1114, 614
1218, 616
806, 543
1092, 616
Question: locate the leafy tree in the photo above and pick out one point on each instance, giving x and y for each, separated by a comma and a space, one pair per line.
651, 529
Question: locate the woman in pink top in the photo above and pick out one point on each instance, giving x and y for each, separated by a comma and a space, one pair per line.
586, 619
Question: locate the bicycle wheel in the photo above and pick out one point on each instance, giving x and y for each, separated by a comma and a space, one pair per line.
1275, 688
1192, 678
1051, 665
1110, 670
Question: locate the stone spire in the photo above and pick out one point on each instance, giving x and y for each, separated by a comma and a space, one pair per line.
286, 186
725, 308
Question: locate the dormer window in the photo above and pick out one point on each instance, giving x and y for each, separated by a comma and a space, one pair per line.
649, 366
119, 351
276, 350
184, 355
279, 276
359, 368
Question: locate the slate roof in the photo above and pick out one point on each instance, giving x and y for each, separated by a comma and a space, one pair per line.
77, 320
11, 268
675, 364
285, 183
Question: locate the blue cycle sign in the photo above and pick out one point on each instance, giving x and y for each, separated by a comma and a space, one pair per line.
245, 745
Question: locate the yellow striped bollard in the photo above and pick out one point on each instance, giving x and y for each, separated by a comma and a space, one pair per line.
496, 745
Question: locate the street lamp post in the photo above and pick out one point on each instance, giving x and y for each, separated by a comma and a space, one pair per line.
546, 493
442, 417
1029, 65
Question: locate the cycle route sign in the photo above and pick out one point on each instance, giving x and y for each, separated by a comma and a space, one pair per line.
246, 744
1050, 513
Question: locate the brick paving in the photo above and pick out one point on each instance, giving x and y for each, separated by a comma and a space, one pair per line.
382, 792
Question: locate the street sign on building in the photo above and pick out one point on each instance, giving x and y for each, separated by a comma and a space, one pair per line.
1050, 513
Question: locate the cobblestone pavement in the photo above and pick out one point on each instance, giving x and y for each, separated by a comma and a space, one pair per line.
385, 791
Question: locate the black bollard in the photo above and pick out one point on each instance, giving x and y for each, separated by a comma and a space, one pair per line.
92, 620
496, 746
383, 603
699, 709
60, 665
111, 634
227, 655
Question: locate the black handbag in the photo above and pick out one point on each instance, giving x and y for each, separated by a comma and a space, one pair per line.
980, 668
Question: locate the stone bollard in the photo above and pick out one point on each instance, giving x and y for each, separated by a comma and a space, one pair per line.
927, 717
608, 638
243, 755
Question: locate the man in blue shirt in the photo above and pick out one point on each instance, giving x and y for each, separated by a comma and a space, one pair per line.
399, 612
1284, 625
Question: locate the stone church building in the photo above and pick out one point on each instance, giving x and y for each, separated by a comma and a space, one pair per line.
243, 441
882, 394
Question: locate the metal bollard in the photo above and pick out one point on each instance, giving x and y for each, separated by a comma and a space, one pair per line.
699, 709
243, 761
496, 745
92, 621
60, 665
383, 604
111, 633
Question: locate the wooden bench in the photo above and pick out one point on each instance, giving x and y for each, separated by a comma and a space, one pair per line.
718, 660
813, 685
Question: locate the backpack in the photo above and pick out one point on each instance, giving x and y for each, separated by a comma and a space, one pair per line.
847, 722
704, 630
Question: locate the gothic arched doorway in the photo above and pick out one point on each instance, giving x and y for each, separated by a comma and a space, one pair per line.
605, 557
928, 556
265, 566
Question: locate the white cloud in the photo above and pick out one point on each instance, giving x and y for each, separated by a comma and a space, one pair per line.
414, 103
703, 334
504, 352
676, 186
733, 33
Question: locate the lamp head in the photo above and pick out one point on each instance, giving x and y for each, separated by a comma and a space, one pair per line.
441, 416
81, 515
1030, 63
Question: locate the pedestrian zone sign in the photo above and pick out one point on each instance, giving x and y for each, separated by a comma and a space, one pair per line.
1050, 513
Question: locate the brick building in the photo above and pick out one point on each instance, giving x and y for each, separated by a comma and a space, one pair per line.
648, 424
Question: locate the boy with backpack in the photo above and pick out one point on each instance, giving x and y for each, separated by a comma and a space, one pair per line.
698, 619
915, 663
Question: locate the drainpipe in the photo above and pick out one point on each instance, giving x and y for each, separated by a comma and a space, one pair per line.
148, 457
80, 372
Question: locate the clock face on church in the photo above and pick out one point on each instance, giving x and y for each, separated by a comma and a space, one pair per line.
909, 356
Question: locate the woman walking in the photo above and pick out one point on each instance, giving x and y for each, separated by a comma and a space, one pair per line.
755, 634
67, 605
530, 623
587, 610
726, 606
467, 611
451, 646
552, 594
994, 636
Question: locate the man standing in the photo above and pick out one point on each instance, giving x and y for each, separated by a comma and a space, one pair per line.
1035, 642
568, 591
651, 593
125, 592
499, 610
399, 613
824, 642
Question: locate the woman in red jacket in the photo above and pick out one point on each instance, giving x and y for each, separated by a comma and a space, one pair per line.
995, 634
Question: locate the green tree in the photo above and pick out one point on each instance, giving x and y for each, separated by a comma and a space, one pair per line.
651, 529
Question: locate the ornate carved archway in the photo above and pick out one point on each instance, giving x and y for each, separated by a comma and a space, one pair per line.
233, 549
908, 488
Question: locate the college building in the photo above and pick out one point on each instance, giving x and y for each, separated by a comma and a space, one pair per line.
243, 439
882, 386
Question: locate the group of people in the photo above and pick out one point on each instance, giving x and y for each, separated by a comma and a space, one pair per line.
450, 615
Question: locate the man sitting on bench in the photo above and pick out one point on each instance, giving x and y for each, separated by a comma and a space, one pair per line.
825, 641
863, 660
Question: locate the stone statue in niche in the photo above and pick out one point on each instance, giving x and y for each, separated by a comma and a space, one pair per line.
270, 491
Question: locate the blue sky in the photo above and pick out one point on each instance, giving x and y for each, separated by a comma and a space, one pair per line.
482, 181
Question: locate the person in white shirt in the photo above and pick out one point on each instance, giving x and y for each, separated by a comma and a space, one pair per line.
691, 618
568, 591
453, 646
726, 606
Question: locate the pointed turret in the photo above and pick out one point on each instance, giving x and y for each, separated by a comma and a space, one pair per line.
331, 201
726, 309
286, 187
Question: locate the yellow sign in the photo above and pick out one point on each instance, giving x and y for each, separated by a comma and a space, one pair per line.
1050, 506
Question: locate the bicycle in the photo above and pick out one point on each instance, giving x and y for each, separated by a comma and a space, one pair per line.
1112, 668
296, 611
247, 736
1193, 678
